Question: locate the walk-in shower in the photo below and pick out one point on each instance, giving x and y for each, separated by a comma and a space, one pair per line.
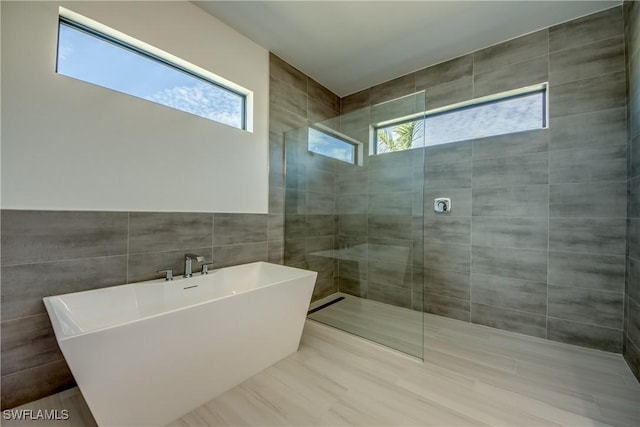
354, 213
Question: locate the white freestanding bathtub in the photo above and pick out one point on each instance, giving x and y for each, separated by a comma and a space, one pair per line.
147, 353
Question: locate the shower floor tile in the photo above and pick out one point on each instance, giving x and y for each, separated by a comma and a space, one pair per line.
395, 327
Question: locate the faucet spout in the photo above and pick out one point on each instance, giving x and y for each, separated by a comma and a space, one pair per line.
188, 259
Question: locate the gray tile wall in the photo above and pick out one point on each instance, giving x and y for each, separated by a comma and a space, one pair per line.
54, 252
631, 348
380, 205
388, 219
308, 223
536, 239
587, 178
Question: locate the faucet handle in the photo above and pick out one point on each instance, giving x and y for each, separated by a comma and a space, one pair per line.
194, 257
205, 268
168, 274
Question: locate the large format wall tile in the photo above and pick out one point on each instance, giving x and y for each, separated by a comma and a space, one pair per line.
28, 342
449, 93
633, 229
590, 235
322, 95
389, 226
594, 200
355, 101
282, 71
390, 274
447, 283
393, 89
384, 180
447, 256
591, 129
39, 236
631, 339
526, 264
399, 159
448, 175
513, 76
320, 181
352, 183
320, 225
525, 201
166, 231
516, 294
240, 254
32, 384
529, 233
581, 96
511, 144
448, 307
588, 164
633, 279
400, 297
400, 107
448, 229
24, 286
633, 197
396, 203
320, 203
591, 28
530, 169
233, 229
590, 60
444, 72
511, 52
605, 272
448, 153
510, 320
288, 97
633, 328
584, 335
632, 356
590, 306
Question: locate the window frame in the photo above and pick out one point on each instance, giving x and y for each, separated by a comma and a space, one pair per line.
103, 36
356, 146
542, 89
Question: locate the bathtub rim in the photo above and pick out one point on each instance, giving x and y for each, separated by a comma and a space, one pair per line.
61, 336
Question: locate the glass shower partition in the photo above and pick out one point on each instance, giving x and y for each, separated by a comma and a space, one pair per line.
354, 213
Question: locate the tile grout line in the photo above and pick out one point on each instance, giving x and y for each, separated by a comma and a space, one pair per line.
35, 367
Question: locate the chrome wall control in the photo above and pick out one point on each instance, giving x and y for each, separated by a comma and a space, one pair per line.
442, 205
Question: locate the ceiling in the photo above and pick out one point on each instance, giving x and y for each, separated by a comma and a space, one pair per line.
351, 45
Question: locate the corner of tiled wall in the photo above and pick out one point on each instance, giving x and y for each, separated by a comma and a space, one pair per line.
308, 224
631, 344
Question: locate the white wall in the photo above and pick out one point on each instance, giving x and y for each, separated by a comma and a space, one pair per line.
71, 145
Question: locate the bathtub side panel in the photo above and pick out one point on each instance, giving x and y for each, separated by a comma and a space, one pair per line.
176, 362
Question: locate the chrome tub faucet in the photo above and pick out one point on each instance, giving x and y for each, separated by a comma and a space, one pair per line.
188, 259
